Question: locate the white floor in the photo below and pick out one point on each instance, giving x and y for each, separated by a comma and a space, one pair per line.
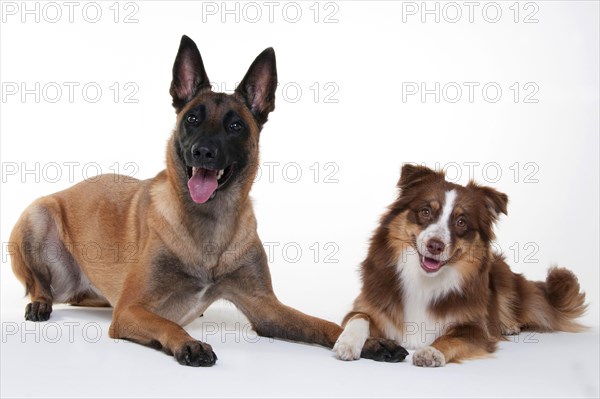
72, 356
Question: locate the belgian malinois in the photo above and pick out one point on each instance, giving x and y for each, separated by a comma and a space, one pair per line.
192, 227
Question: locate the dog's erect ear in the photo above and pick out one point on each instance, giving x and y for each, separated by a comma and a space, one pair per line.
189, 75
259, 85
495, 201
414, 174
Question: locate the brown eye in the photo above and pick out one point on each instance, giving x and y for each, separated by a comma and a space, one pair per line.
425, 212
461, 222
236, 127
192, 119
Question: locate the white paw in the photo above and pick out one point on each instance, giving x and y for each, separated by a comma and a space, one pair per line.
428, 357
350, 343
346, 350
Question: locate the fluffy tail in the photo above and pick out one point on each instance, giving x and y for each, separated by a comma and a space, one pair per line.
554, 304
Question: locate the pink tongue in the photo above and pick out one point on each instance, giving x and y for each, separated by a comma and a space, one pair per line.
202, 184
431, 264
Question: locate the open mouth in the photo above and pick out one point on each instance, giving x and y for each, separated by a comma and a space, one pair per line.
203, 183
431, 265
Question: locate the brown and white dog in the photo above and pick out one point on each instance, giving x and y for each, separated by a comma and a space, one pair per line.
432, 282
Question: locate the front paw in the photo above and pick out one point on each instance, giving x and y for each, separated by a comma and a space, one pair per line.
346, 349
429, 357
38, 311
383, 350
196, 354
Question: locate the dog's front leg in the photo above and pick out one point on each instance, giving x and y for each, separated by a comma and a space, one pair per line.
355, 342
137, 324
270, 318
459, 343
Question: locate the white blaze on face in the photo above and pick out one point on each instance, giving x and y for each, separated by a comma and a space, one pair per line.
425, 281
423, 284
440, 229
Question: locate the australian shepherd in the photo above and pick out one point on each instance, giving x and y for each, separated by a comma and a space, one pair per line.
432, 282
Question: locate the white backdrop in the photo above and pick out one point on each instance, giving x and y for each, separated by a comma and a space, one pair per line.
506, 93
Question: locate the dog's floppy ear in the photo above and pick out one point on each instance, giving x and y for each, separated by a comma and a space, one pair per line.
189, 75
495, 201
258, 86
414, 174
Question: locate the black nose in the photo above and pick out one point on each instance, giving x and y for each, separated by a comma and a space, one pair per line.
435, 246
203, 154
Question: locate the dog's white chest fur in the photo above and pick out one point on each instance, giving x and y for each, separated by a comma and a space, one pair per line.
419, 327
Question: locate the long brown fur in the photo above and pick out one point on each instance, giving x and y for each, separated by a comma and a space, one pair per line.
492, 300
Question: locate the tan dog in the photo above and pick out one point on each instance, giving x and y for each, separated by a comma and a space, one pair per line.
432, 282
169, 246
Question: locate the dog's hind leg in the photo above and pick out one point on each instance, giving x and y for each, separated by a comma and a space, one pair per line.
36, 281
41, 261
27, 264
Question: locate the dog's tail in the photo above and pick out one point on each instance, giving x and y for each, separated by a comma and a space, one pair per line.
554, 304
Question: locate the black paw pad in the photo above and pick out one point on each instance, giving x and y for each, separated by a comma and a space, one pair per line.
383, 350
196, 354
38, 311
